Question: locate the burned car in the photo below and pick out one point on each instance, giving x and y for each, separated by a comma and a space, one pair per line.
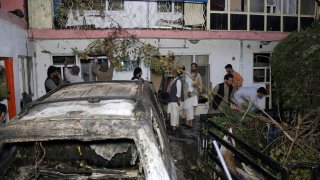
94, 130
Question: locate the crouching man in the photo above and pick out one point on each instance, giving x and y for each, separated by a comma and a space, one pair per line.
3, 114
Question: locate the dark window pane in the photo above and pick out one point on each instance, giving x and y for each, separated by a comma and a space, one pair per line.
59, 60
164, 6
116, 5
290, 23
217, 5
238, 22
219, 21
256, 6
267, 102
178, 7
307, 7
273, 23
306, 22
261, 60
239, 5
268, 75
258, 75
257, 22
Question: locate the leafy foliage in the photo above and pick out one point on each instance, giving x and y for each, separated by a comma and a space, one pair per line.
253, 130
3, 91
119, 49
295, 69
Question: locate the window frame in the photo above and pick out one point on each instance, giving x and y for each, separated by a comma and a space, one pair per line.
173, 7
27, 79
110, 7
277, 10
267, 84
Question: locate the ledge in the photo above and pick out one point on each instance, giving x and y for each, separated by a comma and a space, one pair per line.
145, 33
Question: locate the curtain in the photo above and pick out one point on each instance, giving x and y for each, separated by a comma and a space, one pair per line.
184, 60
193, 14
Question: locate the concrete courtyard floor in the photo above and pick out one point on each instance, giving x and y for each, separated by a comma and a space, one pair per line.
185, 149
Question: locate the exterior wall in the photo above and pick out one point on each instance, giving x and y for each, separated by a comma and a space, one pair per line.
13, 43
11, 5
139, 14
40, 13
221, 52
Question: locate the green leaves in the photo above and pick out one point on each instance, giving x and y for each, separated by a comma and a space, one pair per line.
130, 48
296, 69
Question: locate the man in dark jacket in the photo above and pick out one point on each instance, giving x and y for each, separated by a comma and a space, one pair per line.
3, 114
175, 90
53, 80
222, 92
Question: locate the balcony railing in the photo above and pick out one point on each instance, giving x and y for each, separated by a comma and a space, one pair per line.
108, 14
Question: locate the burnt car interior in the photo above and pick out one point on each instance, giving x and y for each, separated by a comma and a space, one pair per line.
107, 159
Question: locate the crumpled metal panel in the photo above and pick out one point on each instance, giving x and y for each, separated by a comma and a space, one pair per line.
107, 151
109, 89
121, 108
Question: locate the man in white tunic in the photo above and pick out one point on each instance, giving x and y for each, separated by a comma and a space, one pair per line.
190, 99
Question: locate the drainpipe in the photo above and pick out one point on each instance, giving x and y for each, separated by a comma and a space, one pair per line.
241, 58
148, 14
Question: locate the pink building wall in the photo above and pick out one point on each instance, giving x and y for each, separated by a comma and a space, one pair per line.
11, 5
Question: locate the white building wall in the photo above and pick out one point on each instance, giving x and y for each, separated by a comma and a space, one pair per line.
221, 52
136, 14
13, 43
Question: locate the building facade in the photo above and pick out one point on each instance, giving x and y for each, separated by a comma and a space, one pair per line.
211, 33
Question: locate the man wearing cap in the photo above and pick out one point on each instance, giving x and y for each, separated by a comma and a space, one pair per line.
72, 74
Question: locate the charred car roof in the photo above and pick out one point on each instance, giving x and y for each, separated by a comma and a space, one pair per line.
98, 111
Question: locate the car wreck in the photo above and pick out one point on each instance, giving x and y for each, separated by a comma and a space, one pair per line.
94, 130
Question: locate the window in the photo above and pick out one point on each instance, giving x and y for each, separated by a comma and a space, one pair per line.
261, 67
116, 5
26, 79
204, 70
273, 6
218, 5
183, 60
307, 7
238, 22
256, 6
203, 66
168, 6
262, 74
178, 7
82, 4
290, 6
239, 5
58, 61
164, 6
264, 15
